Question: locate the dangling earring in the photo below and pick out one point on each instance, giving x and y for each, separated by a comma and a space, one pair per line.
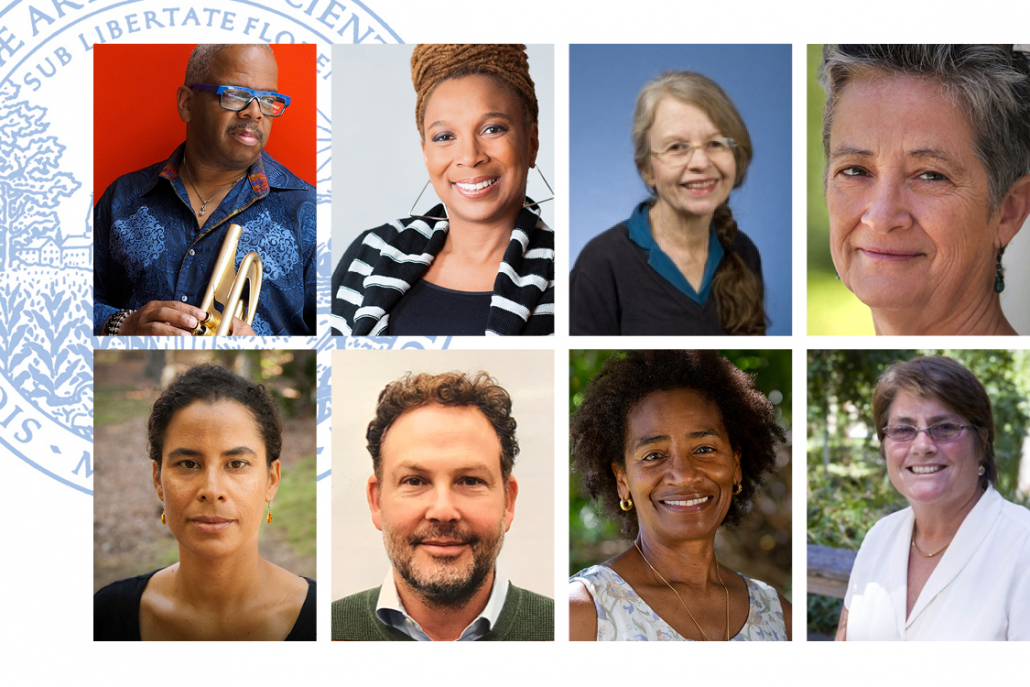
999, 275
411, 212
526, 203
982, 470
626, 504
269, 512
738, 488
535, 203
163, 521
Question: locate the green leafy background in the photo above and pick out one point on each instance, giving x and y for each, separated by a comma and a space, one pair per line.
760, 546
848, 487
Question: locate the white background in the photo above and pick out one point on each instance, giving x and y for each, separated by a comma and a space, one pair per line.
47, 526
378, 168
359, 559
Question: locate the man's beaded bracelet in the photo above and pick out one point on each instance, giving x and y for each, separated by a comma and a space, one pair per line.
115, 322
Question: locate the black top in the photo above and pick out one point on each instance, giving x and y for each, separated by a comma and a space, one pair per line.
382, 264
613, 290
431, 310
116, 612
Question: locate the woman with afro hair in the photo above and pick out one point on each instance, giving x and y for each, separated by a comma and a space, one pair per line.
673, 444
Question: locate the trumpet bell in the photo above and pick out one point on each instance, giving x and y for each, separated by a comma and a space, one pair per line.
236, 291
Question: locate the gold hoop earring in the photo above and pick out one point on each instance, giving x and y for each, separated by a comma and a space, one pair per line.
163, 521
269, 512
738, 488
626, 504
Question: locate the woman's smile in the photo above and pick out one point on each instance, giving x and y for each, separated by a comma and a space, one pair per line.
928, 471
477, 187
685, 504
702, 183
910, 227
679, 465
478, 149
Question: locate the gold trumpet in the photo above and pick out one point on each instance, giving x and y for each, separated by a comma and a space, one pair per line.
226, 288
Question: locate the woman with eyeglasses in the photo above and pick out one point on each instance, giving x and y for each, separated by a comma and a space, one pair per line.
955, 565
679, 264
482, 261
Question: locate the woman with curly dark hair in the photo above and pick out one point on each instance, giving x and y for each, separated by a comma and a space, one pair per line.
214, 441
673, 444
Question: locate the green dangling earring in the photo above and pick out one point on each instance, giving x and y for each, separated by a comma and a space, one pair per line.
999, 275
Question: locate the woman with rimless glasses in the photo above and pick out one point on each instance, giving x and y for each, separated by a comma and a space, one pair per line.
955, 565
679, 264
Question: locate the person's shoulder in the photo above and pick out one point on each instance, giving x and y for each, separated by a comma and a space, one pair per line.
884, 528
531, 599
356, 601
743, 244
136, 179
1017, 519
763, 588
592, 575
282, 178
527, 616
127, 586
304, 628
610, 244
116, 609
353, 617
370, 243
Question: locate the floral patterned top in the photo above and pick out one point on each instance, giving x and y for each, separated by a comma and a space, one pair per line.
623, 616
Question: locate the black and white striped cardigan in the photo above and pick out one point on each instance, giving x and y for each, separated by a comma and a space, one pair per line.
382, 264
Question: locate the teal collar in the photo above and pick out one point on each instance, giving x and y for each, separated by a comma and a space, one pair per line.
639, 225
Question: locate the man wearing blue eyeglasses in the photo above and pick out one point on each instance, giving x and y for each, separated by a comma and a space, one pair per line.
158, 231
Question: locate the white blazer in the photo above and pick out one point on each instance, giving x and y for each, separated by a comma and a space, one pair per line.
980, 589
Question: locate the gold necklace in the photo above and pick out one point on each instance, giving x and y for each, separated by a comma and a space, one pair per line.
683, 603
924, 554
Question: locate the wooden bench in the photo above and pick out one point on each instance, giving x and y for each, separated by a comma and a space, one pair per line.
829, 570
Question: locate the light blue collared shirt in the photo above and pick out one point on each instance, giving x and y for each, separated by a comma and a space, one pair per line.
639, 224
390, 611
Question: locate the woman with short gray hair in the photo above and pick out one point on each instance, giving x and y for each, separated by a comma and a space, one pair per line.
927, 179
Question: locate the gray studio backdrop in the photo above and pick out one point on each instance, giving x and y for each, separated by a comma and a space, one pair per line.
359, 560
378, 168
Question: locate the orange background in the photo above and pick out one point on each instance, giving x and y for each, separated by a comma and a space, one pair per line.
128, 135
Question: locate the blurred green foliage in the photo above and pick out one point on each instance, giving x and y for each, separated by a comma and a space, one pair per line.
293, 518
832, 309
848, 487
760, 546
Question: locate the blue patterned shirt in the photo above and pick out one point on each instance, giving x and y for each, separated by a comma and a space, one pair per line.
148, 245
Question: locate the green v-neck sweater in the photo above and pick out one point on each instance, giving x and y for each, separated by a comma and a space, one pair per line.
526, 617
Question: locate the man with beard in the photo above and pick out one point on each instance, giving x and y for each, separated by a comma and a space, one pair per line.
157, 232
443, 447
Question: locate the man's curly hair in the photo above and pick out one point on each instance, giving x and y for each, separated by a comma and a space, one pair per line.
452, 389
599, 424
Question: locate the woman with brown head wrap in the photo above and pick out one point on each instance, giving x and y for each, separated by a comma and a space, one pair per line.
481, 262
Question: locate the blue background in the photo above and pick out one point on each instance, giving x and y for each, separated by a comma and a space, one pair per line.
604, 81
